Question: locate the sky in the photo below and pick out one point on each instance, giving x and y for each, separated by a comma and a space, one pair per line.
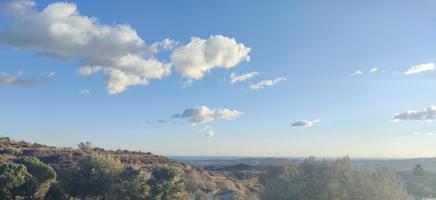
224, 78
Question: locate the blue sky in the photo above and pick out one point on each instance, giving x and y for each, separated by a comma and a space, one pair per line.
314, 45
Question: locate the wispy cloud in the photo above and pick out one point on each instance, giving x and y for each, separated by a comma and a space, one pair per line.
85, 92
266, 83
304, 123
373, 70
420, 68
424, 134
428, 114
356, 73
160, 121
15, 80
242, 77
203, 114
210, 134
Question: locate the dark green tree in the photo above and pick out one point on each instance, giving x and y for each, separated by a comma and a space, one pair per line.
418, 170
132, 184
419, 183
165, 184
330, 180
43, 174
95, 177
15, 181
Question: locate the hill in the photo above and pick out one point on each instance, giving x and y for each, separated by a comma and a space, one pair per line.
195, 178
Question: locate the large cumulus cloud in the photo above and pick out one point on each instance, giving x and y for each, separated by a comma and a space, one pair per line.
60, 31
199, 56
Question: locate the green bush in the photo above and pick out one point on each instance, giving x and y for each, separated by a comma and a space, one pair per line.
165, 184
15, 181
94, 177
43, 174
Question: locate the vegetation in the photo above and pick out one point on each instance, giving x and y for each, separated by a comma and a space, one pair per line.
43, 176
420, 184
165, 184
329, 180
38, 172
15, 181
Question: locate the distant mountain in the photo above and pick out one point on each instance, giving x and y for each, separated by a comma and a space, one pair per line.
428, 164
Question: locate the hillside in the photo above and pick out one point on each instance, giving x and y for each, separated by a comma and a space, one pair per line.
194, 177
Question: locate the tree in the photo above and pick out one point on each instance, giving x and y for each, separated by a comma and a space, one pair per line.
165, 184
133, 184
15, 181
85, 145
95, 177
418, 170
43, 174
329, 180
418, 182
279, 183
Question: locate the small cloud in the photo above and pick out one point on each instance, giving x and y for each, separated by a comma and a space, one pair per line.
304, 123
210, 134
166, 44
161, 121
424, 134
420, 68
204, 114
373, 70
356, 73
15, 80
266, 83
242, 77
85, 92
428, 114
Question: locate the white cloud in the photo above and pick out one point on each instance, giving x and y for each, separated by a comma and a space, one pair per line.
85, 91
60, 31
204, 114
166, 44
420, 68
428, 114
209, 134
424, 134
266, 83
304, 123
15, 80
242, 77
373, 70
199, 56
356, 73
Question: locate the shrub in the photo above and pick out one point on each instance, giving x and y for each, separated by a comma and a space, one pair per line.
165, 184
15, 181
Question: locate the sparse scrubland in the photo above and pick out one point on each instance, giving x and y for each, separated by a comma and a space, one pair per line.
34, 171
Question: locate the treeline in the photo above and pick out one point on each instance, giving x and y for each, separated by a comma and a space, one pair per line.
97, 177
420, 184
103, 177
330, 180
